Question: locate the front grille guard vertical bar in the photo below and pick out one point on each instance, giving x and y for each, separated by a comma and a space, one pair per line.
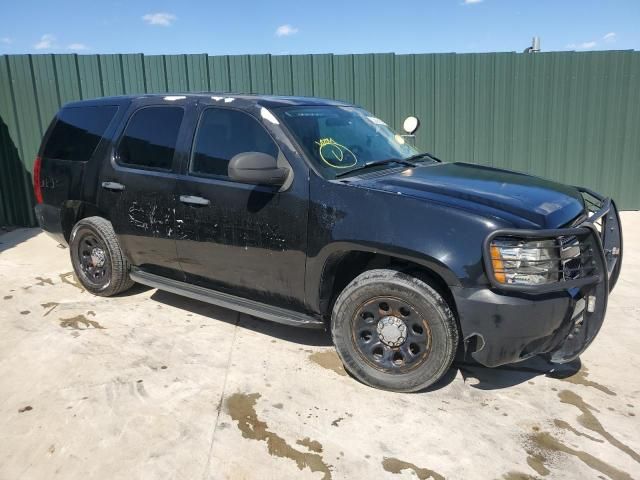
610, 234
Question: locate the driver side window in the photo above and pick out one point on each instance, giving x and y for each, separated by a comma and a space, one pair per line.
221, 135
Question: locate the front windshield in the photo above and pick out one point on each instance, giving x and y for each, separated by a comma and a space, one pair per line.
341, 139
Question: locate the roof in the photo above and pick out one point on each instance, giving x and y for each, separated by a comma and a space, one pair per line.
243, 100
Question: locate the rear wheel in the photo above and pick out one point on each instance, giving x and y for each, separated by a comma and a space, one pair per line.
394, 331
97, 259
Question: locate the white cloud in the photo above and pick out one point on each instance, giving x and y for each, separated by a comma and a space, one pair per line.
610, 37
163, 19
581, 46
471, 2
585, 45
46, 41
6, 40
286, 30
77, 46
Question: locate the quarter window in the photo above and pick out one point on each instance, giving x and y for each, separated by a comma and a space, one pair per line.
150, 137
221, 135
78, 131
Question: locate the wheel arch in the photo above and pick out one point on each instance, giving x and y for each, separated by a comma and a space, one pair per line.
72, 211
342, 266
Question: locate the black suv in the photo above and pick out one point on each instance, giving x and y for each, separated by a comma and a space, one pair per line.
314, 213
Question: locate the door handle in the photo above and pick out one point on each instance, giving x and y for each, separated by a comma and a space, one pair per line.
193, 200
113, 186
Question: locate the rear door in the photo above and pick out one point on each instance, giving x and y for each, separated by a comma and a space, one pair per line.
247, 240
138, 187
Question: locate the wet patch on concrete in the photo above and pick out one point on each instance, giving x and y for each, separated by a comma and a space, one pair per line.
588, 420
71, 279
140, 388
565, 426
241, 408
545, 442
337, 421
536, 460
328, 359
80, 322
43, 281
25, 409
49, 306
312, 445
395, 466
580, 378
518, 476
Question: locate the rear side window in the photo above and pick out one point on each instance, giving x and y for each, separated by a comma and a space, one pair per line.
221, 135
78, 131
149, 141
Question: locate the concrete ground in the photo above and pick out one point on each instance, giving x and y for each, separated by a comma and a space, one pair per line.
151, 385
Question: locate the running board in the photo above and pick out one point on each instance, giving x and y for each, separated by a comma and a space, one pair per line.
250, 307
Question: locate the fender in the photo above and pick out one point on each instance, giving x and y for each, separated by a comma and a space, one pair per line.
343, 218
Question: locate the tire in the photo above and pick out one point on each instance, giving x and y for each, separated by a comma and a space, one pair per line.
369, 339
94, 247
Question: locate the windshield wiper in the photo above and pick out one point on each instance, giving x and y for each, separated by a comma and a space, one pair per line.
409, 162
374, 163
418, 156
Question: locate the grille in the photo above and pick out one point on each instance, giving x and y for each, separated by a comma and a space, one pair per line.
577, 258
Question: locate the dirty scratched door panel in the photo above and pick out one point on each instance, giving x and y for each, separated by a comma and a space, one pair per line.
143, 219
138, 189
248, 240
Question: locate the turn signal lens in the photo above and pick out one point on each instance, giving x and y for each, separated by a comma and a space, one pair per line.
497, 264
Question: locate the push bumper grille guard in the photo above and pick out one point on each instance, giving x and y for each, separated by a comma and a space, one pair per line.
598, 237
588, 280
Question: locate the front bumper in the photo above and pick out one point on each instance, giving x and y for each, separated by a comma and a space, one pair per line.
505, 323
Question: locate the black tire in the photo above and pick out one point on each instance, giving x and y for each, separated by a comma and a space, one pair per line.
430, 331
109, 274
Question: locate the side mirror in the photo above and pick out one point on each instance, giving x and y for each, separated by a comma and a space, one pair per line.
411, 125
256, 168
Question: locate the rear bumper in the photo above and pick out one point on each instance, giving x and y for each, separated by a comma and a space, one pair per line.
50, 220
507, 325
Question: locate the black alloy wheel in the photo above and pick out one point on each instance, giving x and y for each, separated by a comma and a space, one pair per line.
390, 334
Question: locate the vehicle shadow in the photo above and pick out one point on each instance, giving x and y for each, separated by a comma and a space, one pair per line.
476, 375
9, 238
16, 191
506, 376
302, 336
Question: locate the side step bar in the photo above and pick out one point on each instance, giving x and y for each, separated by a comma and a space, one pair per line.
250, 307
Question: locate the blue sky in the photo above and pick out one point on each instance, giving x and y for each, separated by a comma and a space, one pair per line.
329, 26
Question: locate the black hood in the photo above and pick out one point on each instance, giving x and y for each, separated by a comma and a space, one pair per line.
540, 202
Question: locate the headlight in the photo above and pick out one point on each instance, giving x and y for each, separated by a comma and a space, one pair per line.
521, 262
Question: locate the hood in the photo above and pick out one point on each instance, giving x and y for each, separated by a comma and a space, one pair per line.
539, 202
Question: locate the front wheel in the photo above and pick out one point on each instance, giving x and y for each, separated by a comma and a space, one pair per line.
394, 331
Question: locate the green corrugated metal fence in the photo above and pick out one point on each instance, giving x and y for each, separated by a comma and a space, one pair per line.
572, 117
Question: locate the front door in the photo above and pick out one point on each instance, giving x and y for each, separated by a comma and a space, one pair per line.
138, 189
247, 240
